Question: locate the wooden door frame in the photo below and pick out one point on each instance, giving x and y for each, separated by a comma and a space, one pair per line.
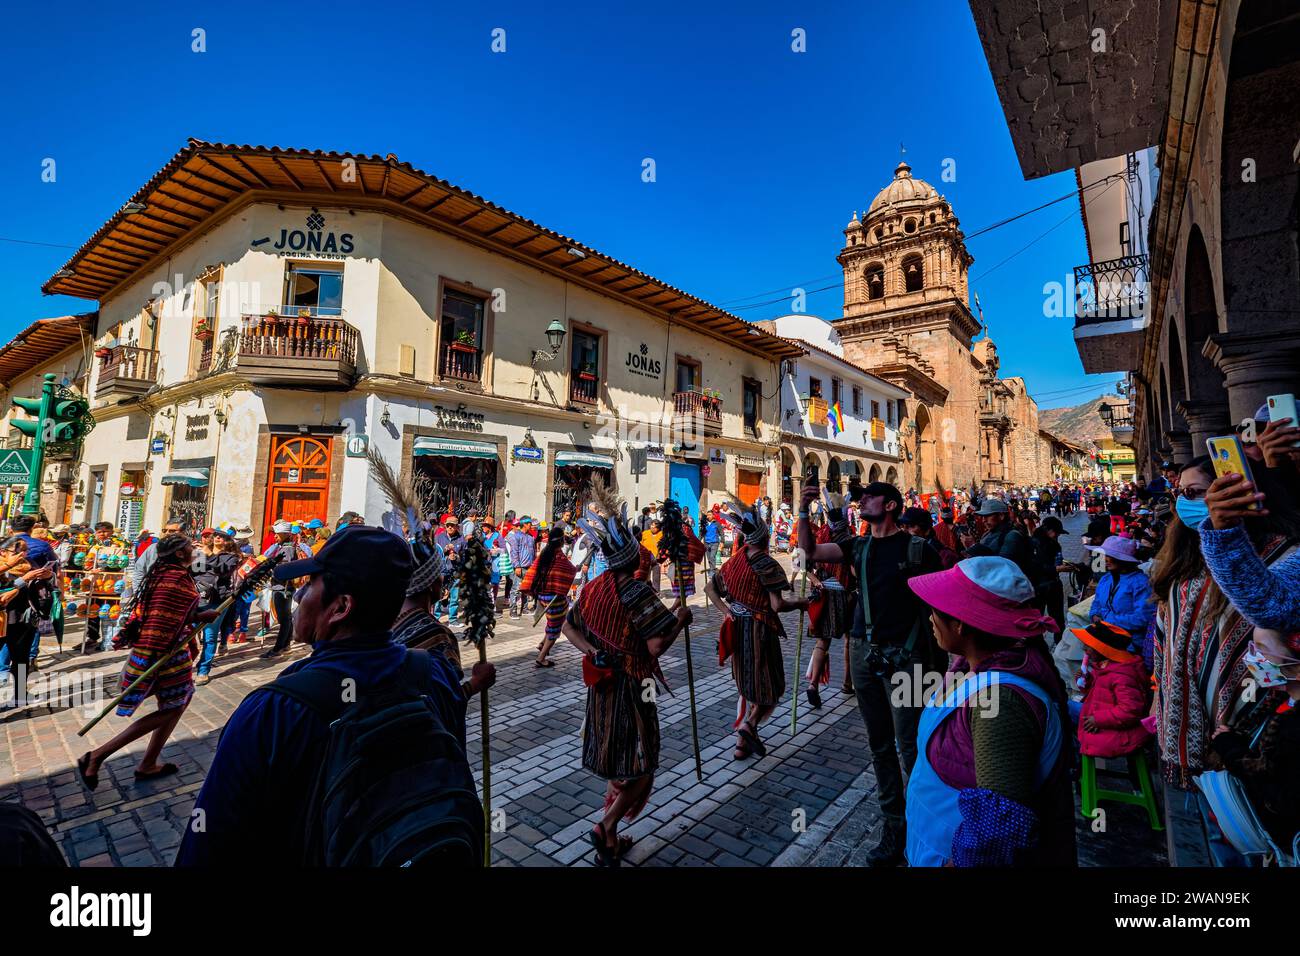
269, 487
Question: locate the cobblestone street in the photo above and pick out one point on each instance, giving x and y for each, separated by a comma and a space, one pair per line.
808, 802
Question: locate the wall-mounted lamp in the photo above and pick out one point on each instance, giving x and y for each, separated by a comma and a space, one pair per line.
220, 415
134, 208
386, 417
555, 333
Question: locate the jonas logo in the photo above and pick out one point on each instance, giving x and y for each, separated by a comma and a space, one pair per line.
642, 364
312, 239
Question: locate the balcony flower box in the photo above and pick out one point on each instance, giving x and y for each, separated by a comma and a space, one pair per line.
103, 352
457, 346
586, 376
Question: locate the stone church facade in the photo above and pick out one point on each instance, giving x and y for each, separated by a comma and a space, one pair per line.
906, 319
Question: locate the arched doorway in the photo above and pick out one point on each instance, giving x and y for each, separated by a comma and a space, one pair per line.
812, 471
787, 477
874, 474
926, 464
1206, 408
891, 476
298, 486
833, 475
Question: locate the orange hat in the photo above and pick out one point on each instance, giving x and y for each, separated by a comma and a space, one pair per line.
1107, 640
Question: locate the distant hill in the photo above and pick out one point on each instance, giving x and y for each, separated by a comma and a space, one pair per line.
1078, 423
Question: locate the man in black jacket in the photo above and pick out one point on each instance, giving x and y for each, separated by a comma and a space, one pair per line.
1000, 539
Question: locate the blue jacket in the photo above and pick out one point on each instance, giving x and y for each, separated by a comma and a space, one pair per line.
1126, 603
271, 751
1267, 596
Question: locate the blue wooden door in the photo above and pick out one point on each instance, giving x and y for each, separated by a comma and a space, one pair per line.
684, 488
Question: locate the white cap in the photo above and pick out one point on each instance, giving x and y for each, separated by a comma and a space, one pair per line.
282, 527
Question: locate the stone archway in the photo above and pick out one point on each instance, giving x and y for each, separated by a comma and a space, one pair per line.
891, 476
874, 474
926, 466
834, 474
789, 477
1205, 408
812, 468
1257, 350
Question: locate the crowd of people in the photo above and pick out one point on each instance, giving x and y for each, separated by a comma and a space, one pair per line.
1177, 642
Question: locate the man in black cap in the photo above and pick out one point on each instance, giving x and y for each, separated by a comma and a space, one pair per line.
890, 633
274, 745
1049, 564
1001, 539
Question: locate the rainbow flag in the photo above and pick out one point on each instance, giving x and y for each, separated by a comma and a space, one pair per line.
836, 419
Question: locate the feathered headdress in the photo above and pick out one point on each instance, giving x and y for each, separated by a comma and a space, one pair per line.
605, 524
406, 495
748, 519
833, 502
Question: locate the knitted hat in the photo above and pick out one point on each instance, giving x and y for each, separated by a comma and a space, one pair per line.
990, 593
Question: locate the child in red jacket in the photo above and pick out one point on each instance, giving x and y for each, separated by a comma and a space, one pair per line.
1116, 693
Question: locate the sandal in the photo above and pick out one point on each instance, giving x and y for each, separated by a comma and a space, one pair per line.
755, 744
624, 844
91, 780
605, 854
814, 697
546, 663
165, 770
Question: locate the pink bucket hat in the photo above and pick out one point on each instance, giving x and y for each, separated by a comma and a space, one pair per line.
991, 594
1120, 548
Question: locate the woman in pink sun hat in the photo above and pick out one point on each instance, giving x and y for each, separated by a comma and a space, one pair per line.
991, 785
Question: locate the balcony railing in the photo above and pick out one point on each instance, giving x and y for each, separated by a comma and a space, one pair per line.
817, 410
693, 407
298, 351
583, 388
877, 429
1110, 290
462, 362
127, 370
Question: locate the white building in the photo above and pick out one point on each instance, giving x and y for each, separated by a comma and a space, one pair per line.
811, 386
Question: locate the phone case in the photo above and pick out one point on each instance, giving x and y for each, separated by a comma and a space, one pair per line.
1227, 456
1283, 406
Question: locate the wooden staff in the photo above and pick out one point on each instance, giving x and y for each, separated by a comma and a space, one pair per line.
690, 669
254, 579
475, 580
797, 563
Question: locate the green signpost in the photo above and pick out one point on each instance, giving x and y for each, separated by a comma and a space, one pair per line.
60, 417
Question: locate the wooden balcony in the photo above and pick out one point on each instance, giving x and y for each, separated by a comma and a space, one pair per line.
460, 362
583, 388
127, 370
697, 413
817, 410
877, 429
291, 352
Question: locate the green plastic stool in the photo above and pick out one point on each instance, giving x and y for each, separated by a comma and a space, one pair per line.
1145, 798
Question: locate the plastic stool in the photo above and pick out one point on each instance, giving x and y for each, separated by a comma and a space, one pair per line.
1146, 797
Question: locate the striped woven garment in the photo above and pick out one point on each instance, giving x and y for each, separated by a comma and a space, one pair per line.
171, 600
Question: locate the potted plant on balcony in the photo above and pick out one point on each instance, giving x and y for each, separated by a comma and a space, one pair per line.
463, 342
587, 373
103, 352
304, 315
203, 331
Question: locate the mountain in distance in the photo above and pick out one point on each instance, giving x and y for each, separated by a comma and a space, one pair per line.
1079, 423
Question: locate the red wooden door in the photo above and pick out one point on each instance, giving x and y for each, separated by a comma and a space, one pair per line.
298, 486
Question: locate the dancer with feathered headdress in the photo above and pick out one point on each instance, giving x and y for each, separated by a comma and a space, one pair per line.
748, 591
622, 628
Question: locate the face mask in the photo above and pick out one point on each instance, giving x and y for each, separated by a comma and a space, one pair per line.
1192, 513
1267, 674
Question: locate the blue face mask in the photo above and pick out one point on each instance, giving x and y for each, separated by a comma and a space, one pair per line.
1190, 512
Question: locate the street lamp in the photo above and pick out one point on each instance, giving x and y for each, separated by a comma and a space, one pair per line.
555, 333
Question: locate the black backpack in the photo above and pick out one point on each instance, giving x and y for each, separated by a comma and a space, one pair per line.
394, 787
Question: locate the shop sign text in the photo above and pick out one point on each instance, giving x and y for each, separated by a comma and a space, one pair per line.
458, 418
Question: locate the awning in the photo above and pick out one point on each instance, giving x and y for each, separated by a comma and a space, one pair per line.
583, 458
454, 448
194, 477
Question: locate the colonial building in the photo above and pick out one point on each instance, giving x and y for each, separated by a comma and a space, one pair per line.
267, 314
61, 347
1199, 302
907, 320
866, 441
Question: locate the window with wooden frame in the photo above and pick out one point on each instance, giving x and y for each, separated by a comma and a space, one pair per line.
753, 405
814, 387
875, 410
585, 364
207, 316
463, 329
857, 400
689, 375
837, 389
313, 289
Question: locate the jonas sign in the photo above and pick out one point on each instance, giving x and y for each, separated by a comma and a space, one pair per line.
314, 239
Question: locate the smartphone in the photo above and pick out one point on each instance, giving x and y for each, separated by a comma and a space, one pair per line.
1283, 406
1227, 456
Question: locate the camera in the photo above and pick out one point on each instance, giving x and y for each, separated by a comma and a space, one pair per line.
883, 661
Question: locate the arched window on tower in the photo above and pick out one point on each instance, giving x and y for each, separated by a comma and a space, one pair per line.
875, 276
913, 274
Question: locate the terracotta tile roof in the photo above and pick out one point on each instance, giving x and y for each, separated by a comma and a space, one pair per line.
42, 341
204, 180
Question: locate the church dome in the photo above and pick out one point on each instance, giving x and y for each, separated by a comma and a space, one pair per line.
902, 190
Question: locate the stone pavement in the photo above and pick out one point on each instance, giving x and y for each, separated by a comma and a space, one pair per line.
808, 801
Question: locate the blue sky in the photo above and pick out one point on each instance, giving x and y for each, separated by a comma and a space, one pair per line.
761, 154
